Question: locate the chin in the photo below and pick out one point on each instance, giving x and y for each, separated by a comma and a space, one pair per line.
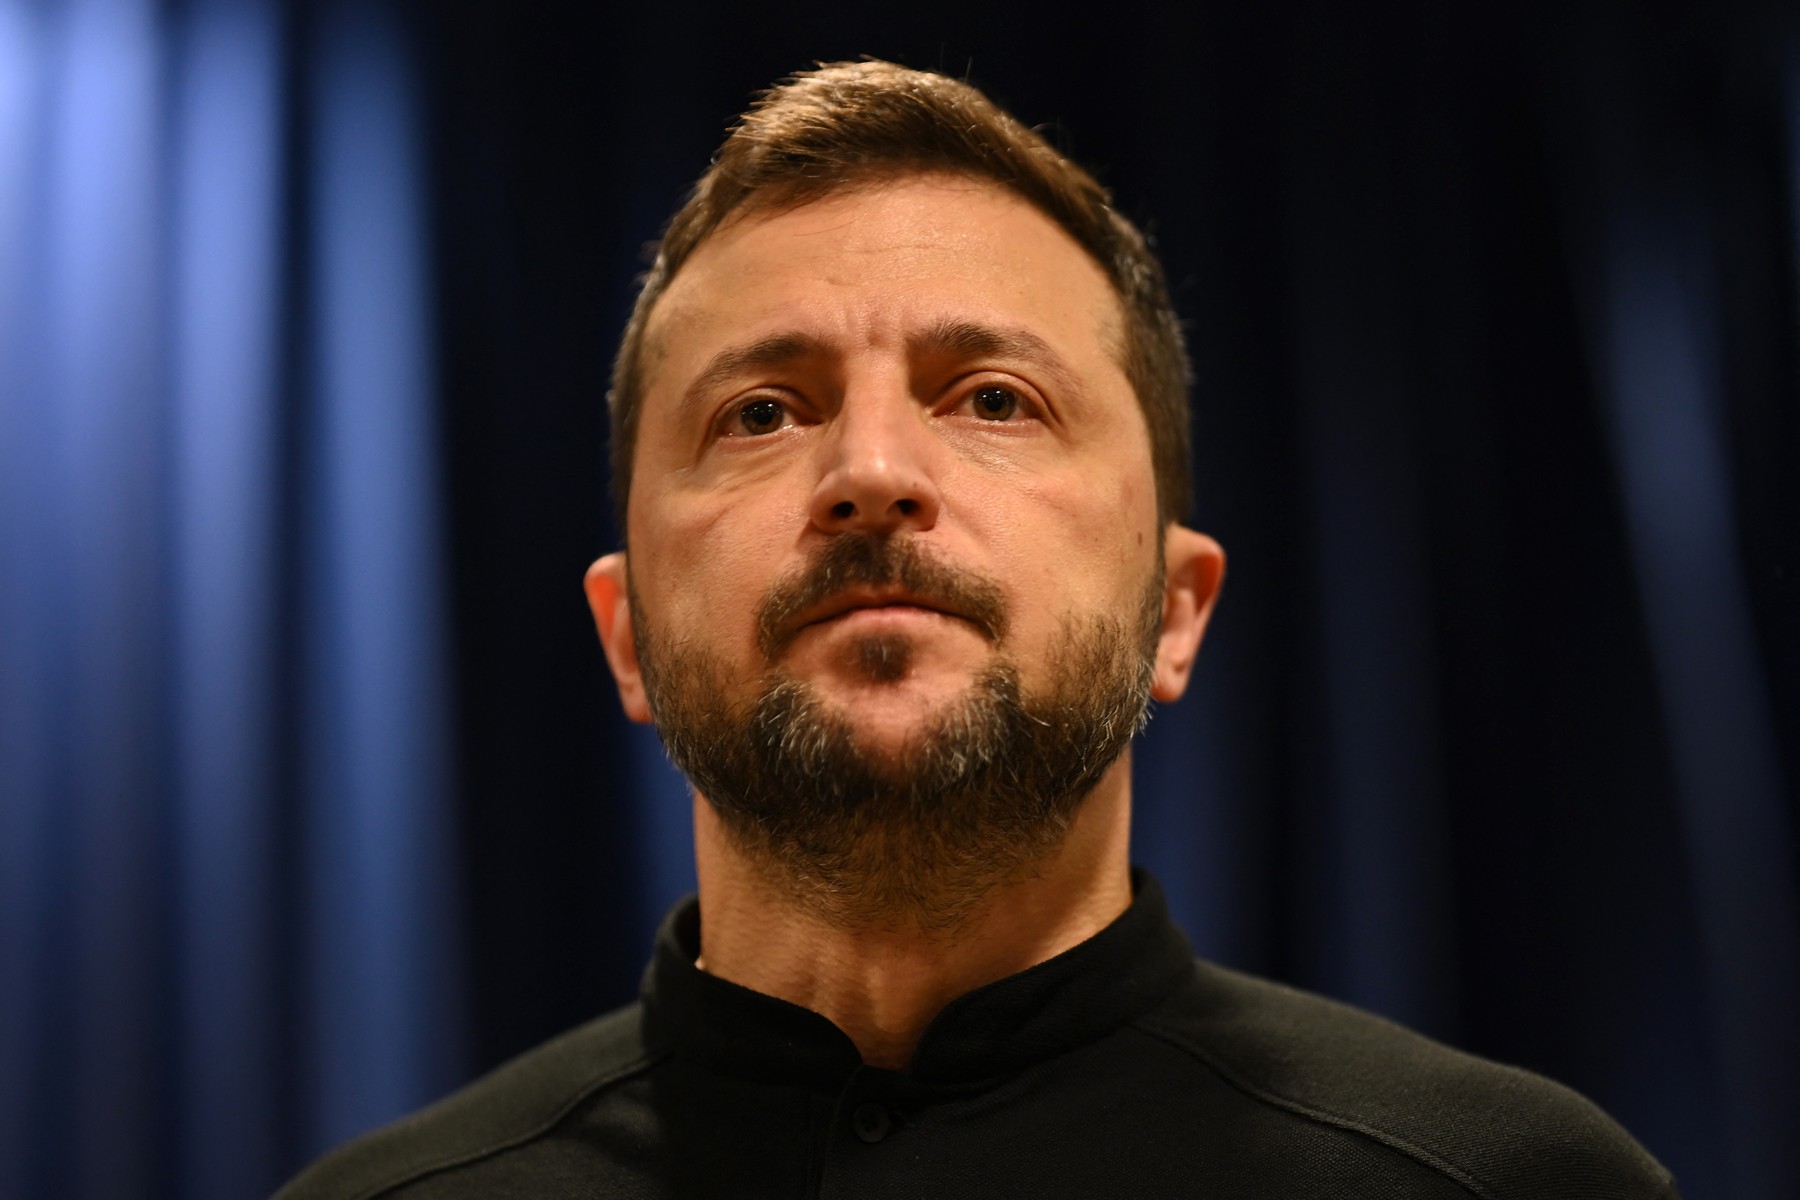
892, 731
898, 712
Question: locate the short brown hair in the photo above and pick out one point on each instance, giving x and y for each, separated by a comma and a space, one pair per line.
851, 123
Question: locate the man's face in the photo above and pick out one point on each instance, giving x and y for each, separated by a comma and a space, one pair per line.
930, 359
892, 505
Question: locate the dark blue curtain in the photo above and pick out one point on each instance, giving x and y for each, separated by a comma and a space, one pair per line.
1532, 745
314, 797
227, 924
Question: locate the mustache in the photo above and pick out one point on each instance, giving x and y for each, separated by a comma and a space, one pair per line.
876, 560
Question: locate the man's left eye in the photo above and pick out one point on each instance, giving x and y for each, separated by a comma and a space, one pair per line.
995, 403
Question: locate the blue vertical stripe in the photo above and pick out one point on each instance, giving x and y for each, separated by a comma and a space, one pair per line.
1185, 824
104, 393
664, 807
1382, 841
383, 970
25, 662
1377, 845
1661, 382
227, 284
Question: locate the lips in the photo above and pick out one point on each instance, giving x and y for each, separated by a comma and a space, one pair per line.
863, 600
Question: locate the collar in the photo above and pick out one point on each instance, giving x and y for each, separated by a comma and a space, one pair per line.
997, 1030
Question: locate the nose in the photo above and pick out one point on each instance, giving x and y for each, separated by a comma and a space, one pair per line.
877, 476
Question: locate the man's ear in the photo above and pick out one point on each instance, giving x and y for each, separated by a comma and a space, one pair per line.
1193, 570
609, 596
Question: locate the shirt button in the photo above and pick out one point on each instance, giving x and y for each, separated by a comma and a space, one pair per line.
871, 1122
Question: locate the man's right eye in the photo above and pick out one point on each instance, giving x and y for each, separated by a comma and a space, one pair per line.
761, 416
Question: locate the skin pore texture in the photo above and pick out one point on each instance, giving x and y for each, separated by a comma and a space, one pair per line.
893, 491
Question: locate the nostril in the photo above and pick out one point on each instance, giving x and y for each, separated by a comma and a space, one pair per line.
843, 510
907, 507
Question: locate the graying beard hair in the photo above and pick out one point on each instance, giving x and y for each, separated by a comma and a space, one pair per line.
984, 794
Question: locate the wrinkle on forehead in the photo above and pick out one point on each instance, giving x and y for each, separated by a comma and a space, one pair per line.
920, 267
760, 210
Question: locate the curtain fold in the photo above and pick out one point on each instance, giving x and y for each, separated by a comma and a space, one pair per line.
227, 813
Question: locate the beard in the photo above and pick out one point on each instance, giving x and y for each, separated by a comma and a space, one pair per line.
916, 836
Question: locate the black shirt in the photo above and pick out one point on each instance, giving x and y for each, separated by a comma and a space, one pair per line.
1122, 1068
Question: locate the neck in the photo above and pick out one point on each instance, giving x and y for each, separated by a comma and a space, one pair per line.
883, 982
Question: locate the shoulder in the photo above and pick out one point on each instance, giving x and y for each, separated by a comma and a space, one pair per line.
513, 1104
1498, 1131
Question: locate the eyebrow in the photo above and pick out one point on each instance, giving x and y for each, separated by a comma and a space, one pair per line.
969, 339
775, 351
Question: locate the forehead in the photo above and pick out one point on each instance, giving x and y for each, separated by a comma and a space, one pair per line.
872, 264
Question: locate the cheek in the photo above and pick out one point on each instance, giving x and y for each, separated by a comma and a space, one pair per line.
1085, 530
705, 568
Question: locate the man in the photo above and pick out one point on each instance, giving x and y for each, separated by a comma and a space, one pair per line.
901, 450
